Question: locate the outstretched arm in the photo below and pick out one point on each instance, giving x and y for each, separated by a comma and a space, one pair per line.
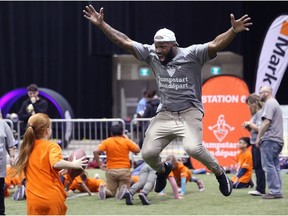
75, 164
118, 38
224, 39
86, 188
174, 186
96, 154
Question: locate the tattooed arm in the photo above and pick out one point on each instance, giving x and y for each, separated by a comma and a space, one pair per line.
118, 38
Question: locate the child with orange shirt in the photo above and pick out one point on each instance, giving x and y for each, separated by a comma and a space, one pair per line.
41, 160
118, 173
243, 178
12, 180
83, 183
65, 178
180, 176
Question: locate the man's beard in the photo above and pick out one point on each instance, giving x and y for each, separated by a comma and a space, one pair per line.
263, 99
168, 57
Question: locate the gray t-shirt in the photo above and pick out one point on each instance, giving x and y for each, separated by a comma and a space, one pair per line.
257, 120
6, 139
273, 112
180, 81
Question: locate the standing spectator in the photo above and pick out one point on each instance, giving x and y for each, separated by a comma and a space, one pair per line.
33, 104
255, 106
147, 178
118, 174
243, 177
6, 141
152, 103
270, 140
178, 75
141, 106
41, 160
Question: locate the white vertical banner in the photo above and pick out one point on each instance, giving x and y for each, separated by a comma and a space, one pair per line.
273, 58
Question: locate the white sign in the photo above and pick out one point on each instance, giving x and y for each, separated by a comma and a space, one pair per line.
273, 59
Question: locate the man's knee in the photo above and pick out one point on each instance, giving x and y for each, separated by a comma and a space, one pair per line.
193, 151
148, 153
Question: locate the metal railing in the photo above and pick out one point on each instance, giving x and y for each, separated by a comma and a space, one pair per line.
71, 134
10, 123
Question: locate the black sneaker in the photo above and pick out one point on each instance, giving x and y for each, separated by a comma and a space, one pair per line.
225, 184
144, 199
129, 198
251, 183
161, 177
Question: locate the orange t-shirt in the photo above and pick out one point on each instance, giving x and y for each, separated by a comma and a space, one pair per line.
117, 150
45, 193
92, 184
180, 171
244, 160
11, 179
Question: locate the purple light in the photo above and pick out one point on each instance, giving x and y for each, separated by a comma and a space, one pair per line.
10, 96
7, 100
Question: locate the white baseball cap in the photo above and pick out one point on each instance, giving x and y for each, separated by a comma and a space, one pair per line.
165, 35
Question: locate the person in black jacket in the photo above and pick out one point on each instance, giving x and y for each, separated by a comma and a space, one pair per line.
34, 104
152, 104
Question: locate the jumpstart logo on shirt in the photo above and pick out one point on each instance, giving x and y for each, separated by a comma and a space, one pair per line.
173, 83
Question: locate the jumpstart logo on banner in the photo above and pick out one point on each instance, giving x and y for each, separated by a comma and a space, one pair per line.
273, 59
224, 101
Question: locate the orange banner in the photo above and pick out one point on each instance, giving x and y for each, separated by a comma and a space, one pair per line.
224, 101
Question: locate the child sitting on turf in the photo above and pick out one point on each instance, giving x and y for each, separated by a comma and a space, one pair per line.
180, 176
243, 177
117, 167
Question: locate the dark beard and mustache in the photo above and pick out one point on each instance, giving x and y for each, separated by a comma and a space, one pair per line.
168, 57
